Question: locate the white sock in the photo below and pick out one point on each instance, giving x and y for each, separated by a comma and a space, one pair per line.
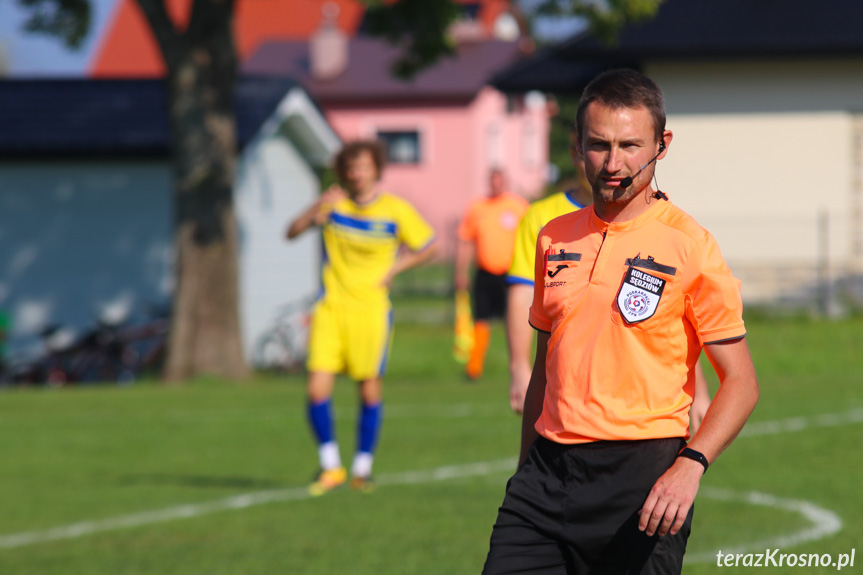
362, 466
328, 453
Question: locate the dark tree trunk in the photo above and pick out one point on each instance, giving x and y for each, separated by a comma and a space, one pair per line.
201, 62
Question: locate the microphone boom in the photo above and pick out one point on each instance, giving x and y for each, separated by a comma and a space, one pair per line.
627, 181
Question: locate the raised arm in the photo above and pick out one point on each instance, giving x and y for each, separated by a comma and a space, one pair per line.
316, 214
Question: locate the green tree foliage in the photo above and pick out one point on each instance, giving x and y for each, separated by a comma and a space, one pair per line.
418, 27
605, 17
559, 137
68, 20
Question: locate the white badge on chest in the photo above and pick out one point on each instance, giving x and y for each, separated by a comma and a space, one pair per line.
639, 295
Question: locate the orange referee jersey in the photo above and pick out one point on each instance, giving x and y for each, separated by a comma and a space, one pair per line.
628, 306
491, 223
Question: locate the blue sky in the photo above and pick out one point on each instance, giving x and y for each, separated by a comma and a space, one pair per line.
33, 55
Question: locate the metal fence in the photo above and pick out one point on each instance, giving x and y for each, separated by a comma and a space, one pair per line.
801, 263
794, 263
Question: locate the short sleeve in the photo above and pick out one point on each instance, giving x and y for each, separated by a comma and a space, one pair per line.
413, 230
538, 318
467, 230
521, 271
713, 297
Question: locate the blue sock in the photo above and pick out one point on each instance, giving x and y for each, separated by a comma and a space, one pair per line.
371, 417
321, 419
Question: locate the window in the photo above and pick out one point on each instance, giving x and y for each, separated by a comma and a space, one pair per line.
402, 147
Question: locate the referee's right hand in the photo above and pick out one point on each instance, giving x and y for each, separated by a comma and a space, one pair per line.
668, 503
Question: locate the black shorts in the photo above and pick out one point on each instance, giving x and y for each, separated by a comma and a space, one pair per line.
489, 295
573, 509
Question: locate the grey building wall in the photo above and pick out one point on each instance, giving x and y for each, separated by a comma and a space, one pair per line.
81, 239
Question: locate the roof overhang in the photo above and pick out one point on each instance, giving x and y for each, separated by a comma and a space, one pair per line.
702, 30
104, 119
302, 123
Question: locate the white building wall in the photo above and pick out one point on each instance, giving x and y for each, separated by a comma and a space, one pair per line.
762, 154
274, 184
758, 182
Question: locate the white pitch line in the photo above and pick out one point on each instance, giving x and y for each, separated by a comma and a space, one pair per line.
186, 511
243, 501
793, 424
823, 523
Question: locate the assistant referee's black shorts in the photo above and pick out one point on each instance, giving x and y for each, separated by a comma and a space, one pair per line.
489, 295
573, 509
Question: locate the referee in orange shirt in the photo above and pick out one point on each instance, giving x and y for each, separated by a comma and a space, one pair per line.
626, 294
487, 234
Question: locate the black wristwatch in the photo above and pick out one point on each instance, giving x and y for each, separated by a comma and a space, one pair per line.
694, 456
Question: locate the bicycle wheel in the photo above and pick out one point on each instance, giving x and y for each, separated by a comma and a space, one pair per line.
276, 353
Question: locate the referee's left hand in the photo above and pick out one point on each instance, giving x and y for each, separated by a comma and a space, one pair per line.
668, 503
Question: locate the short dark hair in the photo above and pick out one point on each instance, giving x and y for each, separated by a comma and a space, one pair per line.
623, 88
353, 149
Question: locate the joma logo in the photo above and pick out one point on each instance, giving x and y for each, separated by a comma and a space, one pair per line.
551, 274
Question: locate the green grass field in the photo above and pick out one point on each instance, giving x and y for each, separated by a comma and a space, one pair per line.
147, 479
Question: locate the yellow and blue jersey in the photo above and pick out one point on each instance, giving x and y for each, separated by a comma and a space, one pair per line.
361, 244
540, 213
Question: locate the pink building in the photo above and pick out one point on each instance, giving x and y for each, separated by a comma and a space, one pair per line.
444, 130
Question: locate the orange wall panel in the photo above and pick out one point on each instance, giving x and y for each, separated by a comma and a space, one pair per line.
128, 48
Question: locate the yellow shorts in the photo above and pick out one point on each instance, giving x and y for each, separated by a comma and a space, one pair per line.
350, 340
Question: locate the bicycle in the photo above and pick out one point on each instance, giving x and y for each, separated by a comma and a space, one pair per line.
146, 343
110, 350
283, 347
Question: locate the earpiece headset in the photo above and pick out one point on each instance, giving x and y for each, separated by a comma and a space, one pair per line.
626, 182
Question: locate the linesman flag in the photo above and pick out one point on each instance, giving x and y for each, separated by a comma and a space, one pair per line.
463, 342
